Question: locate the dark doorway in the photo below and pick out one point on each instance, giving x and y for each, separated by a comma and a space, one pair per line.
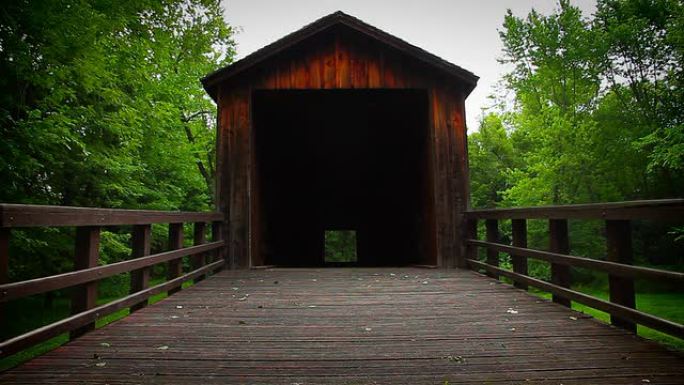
342, 159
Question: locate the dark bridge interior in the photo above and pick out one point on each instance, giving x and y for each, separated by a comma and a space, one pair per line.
343, 160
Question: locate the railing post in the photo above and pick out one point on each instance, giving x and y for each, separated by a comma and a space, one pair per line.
559, 243
492, 226
619, 242
4, 271
87, 254
519, 240
141, 243
200, 237
175, 242
471, 233
217, 235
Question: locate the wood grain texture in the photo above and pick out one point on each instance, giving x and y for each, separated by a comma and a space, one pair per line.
619, 246
87, 253
342, 59
360, 326
559, 243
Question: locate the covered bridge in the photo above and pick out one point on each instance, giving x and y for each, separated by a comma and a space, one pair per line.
340, 125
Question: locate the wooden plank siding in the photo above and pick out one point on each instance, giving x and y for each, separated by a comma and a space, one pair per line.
342, 59
354, 326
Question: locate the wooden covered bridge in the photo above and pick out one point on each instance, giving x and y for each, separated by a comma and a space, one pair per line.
342, 126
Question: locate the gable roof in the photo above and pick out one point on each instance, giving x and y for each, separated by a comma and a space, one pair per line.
211, 81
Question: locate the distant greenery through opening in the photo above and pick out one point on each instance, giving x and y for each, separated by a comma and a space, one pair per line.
340, 246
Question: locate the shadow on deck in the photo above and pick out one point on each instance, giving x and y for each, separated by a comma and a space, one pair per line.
360, 326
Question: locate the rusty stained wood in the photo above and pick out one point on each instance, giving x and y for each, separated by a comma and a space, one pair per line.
342, 60
355, 326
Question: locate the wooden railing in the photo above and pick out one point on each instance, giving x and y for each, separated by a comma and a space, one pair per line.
618, 264
205, 258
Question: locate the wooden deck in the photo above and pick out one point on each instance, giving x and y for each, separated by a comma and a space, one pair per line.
354, 326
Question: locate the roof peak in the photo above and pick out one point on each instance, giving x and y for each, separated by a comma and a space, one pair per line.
324, 23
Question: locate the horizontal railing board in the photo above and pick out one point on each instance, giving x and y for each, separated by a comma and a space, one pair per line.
663, 209
613, 268
21, 289
637, 316
33, 337
16, 215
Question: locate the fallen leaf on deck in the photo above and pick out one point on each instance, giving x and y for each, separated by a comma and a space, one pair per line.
163, 347
105, 344
573, 318
179, 307
101, 364
456, 359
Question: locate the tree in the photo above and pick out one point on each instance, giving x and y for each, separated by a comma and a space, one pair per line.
101, 105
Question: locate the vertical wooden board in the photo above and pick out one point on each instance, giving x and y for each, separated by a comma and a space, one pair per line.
4, 269
87, 252
141, 240
329, 67
443, 209
374, 71
315, 70
559, 243
471, 251
359, 69
239, 199
342, 65
175, 267
492, 226
619, 242
519, 230
217, 234
284, 78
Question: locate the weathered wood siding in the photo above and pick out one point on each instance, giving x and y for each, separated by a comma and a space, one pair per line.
341, 59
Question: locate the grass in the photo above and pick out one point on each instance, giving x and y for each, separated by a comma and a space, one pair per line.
668, 305
30, 313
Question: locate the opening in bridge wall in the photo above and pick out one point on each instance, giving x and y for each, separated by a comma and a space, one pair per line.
342, 159
340, 247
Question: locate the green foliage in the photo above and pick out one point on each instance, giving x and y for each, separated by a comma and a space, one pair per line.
101, 106
340, 246
596, 117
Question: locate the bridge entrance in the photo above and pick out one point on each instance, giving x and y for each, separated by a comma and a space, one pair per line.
355, 160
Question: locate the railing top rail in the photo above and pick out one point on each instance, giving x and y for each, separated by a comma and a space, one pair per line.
18, 215
661, 209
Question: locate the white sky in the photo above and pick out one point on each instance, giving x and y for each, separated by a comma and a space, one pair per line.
464, 32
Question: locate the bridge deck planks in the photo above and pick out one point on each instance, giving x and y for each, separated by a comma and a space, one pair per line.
354, 326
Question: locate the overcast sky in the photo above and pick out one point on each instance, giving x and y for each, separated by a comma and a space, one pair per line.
464, 32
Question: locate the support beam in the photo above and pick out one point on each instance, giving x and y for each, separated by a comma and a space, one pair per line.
141, 245
87, 253
619, 242
519, 240
471, 251
199, 238
175, 267
492, 226
559, 243
4, 268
